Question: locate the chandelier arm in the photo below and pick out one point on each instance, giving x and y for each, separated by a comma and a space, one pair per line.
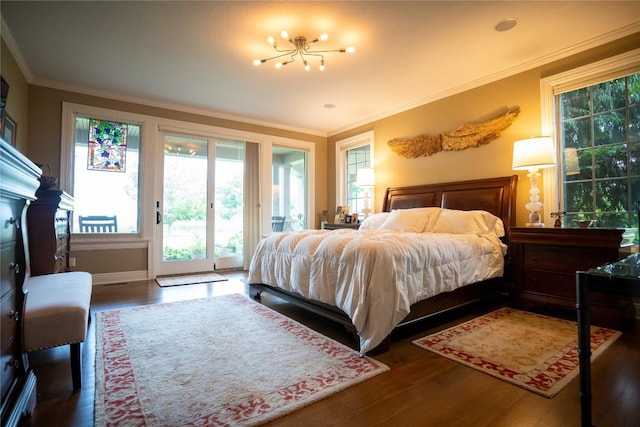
341, 50
313, 54
288, 52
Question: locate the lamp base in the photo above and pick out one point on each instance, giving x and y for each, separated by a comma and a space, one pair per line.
534, 216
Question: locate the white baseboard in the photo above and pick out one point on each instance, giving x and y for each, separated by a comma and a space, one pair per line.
120, 277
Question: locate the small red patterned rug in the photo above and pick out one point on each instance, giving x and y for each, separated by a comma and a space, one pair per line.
536, 352
221, 361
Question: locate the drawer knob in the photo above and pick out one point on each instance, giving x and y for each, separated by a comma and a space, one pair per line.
15, 267
14, 363
15, 221
14, 314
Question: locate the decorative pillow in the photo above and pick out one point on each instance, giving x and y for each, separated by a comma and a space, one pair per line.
416, 220
481, 223
373, 222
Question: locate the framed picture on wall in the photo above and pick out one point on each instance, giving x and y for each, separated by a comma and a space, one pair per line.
8, 128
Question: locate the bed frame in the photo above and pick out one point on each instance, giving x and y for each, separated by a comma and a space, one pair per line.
494, 195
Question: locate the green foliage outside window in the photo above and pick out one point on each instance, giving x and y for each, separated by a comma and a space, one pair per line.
601, 129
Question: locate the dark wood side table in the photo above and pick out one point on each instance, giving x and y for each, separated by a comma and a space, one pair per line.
329, 226
545, 261
619, 278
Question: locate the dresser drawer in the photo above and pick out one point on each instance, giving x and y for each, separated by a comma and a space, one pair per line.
62, 243
10, 213
8, 266
60, 265
548, 282
7, 313
8, 368
562, 259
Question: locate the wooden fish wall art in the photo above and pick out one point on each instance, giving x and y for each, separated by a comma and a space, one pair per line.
467, 135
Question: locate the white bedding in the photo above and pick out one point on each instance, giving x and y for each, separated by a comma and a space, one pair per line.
374, 275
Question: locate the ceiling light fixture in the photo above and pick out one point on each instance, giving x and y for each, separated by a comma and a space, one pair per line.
301, 47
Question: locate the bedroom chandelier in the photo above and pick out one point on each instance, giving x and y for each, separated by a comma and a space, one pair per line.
300, 47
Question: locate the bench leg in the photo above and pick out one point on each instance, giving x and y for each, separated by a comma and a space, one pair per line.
76, 365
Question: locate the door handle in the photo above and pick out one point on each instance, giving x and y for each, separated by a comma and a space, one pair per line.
158, 217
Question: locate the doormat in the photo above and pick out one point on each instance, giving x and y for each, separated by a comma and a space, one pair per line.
536, 352
189, 280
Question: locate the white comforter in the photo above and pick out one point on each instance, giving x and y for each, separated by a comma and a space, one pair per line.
374, 275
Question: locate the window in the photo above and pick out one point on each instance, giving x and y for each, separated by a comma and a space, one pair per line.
353, 154
289, 186
598, 139
105, 185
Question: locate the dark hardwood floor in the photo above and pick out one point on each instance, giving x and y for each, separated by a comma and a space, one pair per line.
421, 389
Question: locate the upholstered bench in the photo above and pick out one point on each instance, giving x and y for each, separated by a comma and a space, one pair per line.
56, 313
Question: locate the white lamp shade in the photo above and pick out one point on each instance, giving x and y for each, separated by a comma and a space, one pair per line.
533, 153
366, 177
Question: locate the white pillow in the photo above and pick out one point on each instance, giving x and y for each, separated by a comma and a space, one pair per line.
481, 223
374, 221
416, 220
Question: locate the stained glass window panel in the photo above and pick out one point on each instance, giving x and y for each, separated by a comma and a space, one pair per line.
107, 146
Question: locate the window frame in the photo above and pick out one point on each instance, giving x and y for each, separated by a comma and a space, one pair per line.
148, 134
342, 146
151, 128
585, 76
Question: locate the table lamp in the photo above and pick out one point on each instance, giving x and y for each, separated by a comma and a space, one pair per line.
534, 154
366, 178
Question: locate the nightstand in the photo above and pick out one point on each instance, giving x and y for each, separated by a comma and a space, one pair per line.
545, 261
328, 226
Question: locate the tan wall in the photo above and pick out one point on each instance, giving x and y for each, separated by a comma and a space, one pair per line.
38, 109
45, 115
17, 102
492, 160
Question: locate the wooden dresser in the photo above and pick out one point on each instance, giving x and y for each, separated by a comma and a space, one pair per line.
49, 219
545, 261
18, 184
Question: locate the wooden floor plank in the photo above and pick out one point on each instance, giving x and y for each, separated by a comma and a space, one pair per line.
421, 389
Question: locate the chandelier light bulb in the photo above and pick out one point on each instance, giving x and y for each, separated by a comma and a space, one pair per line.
322, 65
307, 67
350, 49
279, 64
284, 35
324, 37
271, 40
257, 62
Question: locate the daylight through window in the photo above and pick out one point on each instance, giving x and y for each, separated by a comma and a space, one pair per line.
600, 141
103, 184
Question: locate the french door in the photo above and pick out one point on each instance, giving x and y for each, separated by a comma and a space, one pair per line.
199, 207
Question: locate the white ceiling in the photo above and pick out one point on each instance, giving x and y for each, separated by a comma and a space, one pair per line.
197, 56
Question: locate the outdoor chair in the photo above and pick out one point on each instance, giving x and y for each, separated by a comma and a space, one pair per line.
98, 224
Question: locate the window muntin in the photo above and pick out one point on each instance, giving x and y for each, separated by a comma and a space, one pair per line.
356, 158
600, 146
103, 192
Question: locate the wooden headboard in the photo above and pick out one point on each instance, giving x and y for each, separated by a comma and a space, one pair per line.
494, 195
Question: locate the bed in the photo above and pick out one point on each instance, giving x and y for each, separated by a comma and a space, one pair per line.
451, 252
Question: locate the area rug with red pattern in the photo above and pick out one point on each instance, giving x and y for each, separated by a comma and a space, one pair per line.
226, 360
533, 351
